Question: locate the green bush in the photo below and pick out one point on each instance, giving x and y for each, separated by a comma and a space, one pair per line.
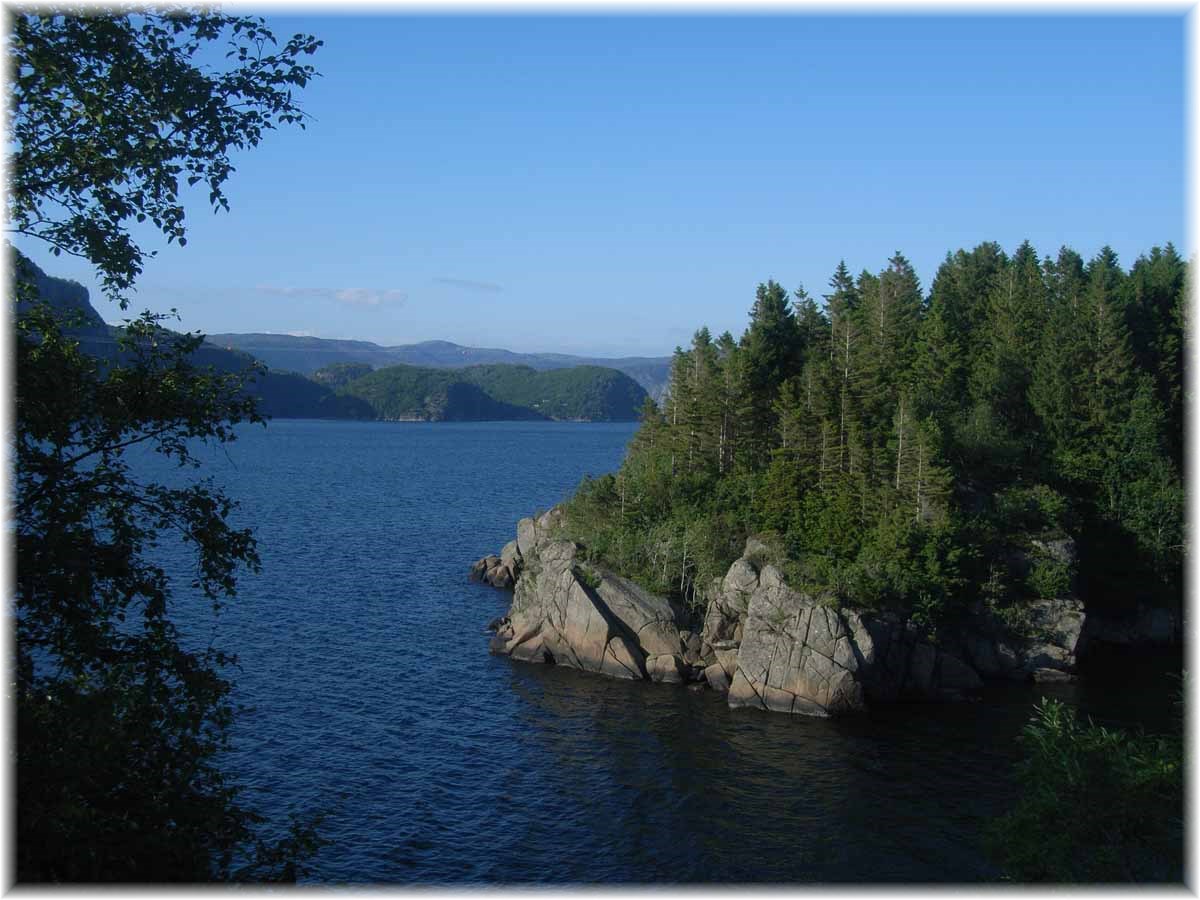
1095, 805
1049, 578
587, 576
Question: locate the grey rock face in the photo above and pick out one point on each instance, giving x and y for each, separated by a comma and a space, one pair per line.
496, 571
897, 663
667, 668
526, 536
1056, 633
511, 555
764, 644
717, 678
795, 655
613, 628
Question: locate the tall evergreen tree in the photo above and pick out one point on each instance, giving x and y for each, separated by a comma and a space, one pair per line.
1157, 287
889, 316
812, 326
844, 335
1002, 372
960, 290
770, 353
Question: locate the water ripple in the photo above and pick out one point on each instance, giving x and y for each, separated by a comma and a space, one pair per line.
374, 698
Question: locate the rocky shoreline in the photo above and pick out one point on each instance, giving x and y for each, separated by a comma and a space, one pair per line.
764, 644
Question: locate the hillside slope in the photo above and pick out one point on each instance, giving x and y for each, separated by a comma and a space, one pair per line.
281, 394
589, 393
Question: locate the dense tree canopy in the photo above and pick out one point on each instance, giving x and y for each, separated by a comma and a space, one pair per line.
912, 451
119, 722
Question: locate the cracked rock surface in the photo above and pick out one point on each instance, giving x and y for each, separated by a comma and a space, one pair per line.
764, 644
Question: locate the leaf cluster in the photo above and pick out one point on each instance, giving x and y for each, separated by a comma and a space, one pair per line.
110, 111
120, 725
121, 720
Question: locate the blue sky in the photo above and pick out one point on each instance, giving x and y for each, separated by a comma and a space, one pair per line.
608, 185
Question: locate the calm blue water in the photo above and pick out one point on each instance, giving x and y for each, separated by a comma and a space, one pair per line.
373, 698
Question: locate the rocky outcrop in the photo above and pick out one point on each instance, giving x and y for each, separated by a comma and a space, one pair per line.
499, 571
570, 613
763, 643
795, 656
785, 650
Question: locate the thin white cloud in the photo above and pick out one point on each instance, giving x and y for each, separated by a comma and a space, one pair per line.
349, 296
467, 284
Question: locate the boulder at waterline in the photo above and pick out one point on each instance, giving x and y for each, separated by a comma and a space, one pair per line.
765, 644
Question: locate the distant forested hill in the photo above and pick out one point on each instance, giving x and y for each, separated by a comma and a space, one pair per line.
589, 393
281, 394
349, 389
308, 354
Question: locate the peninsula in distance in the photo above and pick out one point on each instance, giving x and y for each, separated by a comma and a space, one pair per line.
317, 378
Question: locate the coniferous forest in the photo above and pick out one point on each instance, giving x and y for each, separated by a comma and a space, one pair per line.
916, 450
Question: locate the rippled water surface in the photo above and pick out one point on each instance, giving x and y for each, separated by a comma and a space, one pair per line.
373, 697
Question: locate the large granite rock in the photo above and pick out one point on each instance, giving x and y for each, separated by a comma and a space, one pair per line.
571, 613
559, 619
795, 655
765, 644
1052, 638
897, 662
496, 571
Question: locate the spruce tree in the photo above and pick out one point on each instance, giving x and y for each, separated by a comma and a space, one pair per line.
770, 353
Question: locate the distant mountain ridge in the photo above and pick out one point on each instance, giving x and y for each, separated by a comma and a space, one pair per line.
308, 354
356, 390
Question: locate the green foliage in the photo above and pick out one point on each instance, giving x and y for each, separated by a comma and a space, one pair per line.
1096, 804
905, 453
109, 112
587, 576
590, 393
1049, 578
1037, 509
119, 726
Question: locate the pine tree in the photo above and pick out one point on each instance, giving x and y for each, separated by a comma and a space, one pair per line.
770, 353
939, 373
1157, 286
1108, 388
843, 304
812, 326
960, 289
1002, 372
1062, 354
889, 317
729, 365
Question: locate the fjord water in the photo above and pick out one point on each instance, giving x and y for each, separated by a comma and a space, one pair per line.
372, 698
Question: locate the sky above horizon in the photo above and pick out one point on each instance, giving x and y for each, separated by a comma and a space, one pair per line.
608, 185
